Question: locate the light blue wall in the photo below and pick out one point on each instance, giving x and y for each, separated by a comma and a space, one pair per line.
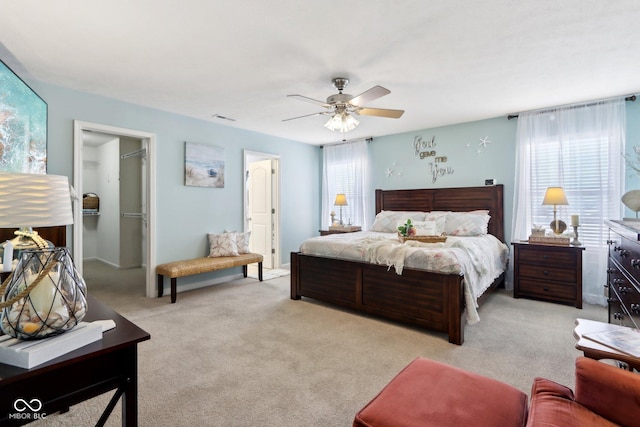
470, 162
470, 167
186, 214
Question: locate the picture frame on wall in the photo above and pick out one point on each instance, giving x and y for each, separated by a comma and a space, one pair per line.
23, 125
204, 165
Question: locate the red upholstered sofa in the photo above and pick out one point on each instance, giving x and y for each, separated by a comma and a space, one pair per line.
428, 393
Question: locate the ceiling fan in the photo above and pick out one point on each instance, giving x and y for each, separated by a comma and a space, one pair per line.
341, 106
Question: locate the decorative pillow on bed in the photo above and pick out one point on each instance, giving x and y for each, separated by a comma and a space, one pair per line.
222, 244
440, 218
386, 221
466, 223
427, 228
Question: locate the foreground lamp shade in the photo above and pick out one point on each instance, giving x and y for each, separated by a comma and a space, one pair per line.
555, 196
45, 295
30, 200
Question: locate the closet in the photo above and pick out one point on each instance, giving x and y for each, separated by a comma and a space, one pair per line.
114, 170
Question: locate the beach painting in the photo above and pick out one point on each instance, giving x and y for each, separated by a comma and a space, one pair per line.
204, 165
23, 126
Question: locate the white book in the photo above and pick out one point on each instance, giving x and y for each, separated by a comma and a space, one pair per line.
30, 353
625, 340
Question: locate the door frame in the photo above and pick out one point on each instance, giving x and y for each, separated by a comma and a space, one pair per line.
150, 138
249, 157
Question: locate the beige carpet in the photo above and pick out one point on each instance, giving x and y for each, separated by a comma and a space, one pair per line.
244, 354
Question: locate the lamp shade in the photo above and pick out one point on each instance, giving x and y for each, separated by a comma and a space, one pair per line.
555, 196
341, 200
34, 200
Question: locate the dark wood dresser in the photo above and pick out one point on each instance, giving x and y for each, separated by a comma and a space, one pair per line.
623, 272
548, 273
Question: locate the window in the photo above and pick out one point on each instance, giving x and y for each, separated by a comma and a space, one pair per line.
346, 170
580, 149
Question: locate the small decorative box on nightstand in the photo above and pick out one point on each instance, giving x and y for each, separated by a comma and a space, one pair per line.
548, 272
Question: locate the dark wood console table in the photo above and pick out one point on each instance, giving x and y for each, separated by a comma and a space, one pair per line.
104, 365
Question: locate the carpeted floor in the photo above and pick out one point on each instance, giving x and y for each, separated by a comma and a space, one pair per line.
244, 354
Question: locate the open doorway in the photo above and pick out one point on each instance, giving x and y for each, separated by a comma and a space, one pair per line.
262, 205
119, 165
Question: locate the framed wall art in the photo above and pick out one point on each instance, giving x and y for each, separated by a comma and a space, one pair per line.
23, 126
204, 165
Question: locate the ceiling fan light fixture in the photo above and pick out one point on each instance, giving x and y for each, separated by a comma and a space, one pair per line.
342, 122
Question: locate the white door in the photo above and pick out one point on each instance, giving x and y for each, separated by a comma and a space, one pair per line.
260, 210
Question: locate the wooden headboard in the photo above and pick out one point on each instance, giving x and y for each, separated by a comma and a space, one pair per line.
56, 235
460, 199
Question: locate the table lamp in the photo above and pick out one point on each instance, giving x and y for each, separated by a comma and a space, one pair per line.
45, 295
341, 200
555, 196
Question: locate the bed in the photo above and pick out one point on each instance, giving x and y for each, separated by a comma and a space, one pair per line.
427, 299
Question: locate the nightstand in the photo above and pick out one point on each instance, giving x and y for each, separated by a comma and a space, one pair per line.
547, 272
337, 230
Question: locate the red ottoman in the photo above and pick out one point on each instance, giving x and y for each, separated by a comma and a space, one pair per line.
428, 393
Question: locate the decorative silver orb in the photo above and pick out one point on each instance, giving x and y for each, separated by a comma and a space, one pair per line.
631, 199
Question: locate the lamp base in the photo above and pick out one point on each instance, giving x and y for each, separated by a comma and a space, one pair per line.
44, 296
561, 226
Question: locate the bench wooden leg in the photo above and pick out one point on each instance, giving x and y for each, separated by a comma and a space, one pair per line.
244, 271
174, 289
260, 271
160, 285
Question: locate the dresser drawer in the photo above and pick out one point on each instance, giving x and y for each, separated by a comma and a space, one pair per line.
548, 272
548, 256
626, 253
551, 291
619, 313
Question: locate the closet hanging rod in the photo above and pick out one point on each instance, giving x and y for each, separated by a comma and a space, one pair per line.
139, 153
630, 98
132, 215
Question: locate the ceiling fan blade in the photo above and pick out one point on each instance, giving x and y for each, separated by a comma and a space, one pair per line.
308, 115
311, 100
380, 112
369, 95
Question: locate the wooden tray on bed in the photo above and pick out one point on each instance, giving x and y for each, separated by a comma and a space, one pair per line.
423, 239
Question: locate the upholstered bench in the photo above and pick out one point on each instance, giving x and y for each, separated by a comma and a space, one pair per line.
189, 267
428, 393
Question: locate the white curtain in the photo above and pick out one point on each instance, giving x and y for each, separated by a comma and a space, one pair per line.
579, 148
346, 170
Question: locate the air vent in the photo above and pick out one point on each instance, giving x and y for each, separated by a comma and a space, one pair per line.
221, 117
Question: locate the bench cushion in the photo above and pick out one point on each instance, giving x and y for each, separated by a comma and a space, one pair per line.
206, 264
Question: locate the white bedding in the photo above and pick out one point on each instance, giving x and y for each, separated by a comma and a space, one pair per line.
481, 259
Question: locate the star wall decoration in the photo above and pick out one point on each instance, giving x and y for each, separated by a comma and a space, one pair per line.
484, 141
391, 171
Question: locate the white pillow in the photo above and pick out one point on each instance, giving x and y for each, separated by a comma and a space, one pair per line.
440, 218
222, 244
386, 221
466, 224
242, 241
427, 228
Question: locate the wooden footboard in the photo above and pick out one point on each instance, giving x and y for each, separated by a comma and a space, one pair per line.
429, 300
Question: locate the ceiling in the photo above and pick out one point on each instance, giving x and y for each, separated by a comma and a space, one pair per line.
444, 62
